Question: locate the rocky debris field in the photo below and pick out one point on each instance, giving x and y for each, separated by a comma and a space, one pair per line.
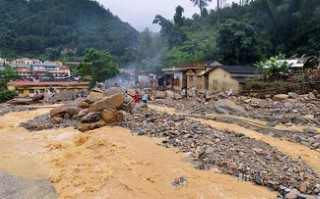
310, 137
232, 153
5, 108
43, 122
286, 109
97, 110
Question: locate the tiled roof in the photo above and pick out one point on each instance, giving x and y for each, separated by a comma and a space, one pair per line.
30, 83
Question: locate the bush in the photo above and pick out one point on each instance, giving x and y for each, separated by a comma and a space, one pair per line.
6, 95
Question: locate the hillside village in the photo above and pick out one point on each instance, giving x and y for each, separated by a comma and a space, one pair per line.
224, 103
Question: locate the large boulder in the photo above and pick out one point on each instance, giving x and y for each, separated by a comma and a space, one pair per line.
112, 91
91, 117
226, 106
95, 96
311, 96
293, 95
80, 102
90, 126
69, 109
170, 94
159, 94
115, 101
111, 115
82, 113
280, 97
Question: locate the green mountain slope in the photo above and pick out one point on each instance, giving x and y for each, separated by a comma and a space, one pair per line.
30, 27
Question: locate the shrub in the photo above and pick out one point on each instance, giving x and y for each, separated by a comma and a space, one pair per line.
6, 95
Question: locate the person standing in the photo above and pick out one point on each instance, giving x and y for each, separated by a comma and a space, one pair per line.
145, 97
193, 91
184, 93
136, 98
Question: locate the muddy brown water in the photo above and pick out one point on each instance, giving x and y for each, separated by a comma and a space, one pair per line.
109, 163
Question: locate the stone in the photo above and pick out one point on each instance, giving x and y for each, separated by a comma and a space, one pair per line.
91, 117
310, 130
209, 150
159, 94
56, 120
116, 101
316, 145
82, 113
84, 105
315, 93
81, 104
177, 96
311, 96
272, 124
292, 194
305, 196
62, 110
112, 91
303, 187
90, 126
111, 115
170, 94
293, 95
226, 106
267, 96
292, 101
280, 97
95, 96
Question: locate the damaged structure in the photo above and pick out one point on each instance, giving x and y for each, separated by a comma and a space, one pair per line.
209, 75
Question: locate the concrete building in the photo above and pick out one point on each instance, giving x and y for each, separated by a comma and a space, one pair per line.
41, 68
29, 88
24, 62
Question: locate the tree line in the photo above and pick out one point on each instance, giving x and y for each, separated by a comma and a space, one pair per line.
239, 34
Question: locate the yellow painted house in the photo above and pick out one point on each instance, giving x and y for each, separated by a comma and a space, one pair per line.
211, 76
29, 88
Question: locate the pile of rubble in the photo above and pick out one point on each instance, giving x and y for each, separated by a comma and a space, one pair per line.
5, 108
232, 153
286, 109
310, 137
98, 109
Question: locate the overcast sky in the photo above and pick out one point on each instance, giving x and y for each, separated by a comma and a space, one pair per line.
140, 13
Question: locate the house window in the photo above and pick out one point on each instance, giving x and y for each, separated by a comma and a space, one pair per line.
20, 91
31, 91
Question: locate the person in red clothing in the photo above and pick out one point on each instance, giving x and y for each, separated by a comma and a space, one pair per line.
136, 98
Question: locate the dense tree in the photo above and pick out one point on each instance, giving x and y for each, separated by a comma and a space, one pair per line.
97, 66
173, 34
201, 4
237, 42
178, 18
40, 27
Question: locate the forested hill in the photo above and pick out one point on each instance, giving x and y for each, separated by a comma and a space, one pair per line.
35, 27
241, 34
